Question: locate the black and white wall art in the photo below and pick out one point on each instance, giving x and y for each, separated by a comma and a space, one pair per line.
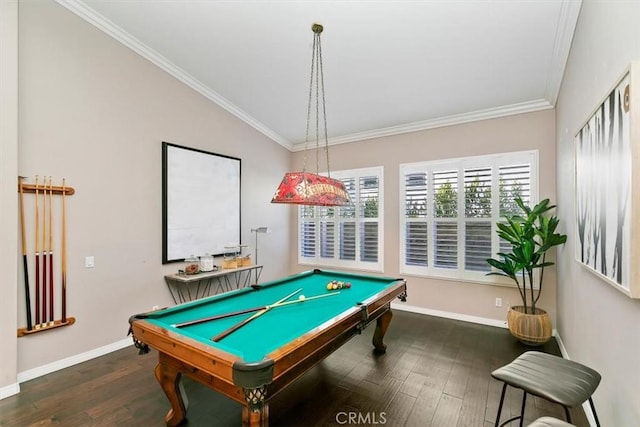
605, 150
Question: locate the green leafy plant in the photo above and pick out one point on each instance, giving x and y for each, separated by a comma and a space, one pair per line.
531, 234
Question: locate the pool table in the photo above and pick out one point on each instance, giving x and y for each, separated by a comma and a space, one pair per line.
254, 362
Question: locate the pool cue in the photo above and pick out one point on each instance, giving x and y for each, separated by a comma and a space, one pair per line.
37, 245
248, 310
27, 292
217, 317
249, 319
297, 301
44, 252
64, 256
51, 250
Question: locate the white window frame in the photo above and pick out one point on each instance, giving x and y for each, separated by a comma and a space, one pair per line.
336, 262
494, 161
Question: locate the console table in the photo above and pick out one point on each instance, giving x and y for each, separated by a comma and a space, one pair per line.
187, 287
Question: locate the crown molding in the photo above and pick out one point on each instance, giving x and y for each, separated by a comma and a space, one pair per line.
474, 116
94, 18
564, 36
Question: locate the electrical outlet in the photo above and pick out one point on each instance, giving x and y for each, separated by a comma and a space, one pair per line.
498, 302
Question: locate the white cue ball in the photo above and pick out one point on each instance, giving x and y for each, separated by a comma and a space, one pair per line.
301, 297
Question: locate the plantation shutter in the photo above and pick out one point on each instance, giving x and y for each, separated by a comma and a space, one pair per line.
369, 187
515, 181
348, 223
445, 226
477, 234
346, 236
449, 210
327, 232
416, 226
307, 232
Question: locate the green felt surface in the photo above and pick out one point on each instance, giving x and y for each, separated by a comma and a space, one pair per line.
278, 326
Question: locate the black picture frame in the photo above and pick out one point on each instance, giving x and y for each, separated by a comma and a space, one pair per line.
200, 202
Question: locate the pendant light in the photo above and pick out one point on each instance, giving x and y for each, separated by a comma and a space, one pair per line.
306, 188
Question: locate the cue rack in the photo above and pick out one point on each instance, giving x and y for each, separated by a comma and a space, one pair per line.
48, 289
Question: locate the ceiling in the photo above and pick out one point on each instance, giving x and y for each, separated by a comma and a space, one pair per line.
390, 67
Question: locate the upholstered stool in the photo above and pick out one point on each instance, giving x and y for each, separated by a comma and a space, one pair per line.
551, 377
549, 422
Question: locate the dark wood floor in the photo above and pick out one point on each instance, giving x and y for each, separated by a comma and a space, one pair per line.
436, 372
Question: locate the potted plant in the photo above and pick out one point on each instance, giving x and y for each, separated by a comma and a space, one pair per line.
531, 234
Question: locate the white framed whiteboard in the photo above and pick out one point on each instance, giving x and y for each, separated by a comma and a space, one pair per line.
200, 202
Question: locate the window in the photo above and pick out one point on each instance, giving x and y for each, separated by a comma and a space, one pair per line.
449, 210
346, 236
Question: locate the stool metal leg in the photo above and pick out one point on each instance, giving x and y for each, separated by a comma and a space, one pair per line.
593, 409
504, 389
521, 416
524, 401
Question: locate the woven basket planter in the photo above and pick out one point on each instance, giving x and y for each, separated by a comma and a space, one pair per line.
530, 329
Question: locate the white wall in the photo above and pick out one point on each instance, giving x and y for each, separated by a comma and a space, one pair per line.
94, 112
597, 323
8, 195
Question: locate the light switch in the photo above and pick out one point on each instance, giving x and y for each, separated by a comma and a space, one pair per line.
89, 262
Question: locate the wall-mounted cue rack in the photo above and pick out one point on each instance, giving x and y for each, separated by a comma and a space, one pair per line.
44, 289
57, 190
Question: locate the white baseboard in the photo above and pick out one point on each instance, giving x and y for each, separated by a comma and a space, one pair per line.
563, 349
72, 360
450, 315
9, 390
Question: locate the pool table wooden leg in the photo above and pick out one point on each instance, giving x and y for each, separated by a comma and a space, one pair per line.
169, 379
256, 412
382, 323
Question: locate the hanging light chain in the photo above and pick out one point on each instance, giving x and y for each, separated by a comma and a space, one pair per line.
306, 137
316, 50
324, 107
317, 77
